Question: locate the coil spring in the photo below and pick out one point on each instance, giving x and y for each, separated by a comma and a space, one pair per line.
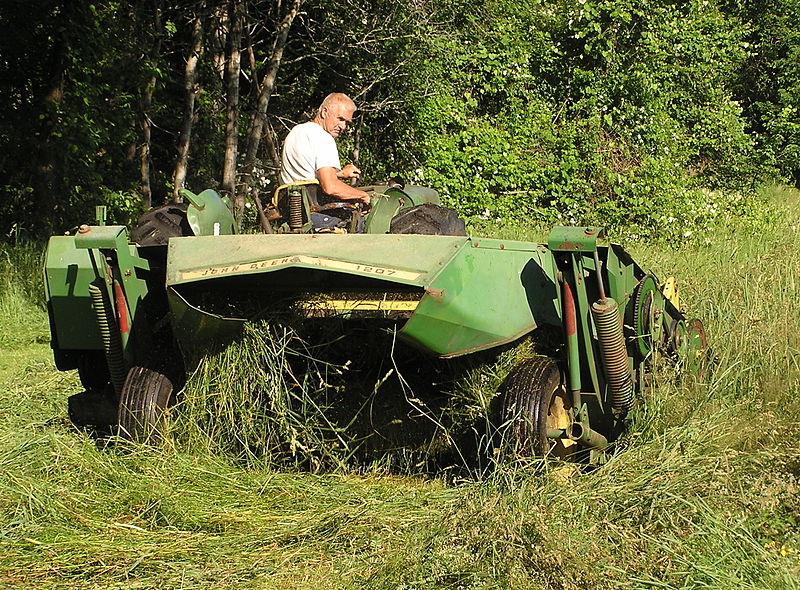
295, 210
613, 354
112, 344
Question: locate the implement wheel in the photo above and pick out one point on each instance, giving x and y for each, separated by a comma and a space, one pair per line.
533, 400
143, 402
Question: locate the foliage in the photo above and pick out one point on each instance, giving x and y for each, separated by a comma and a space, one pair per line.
603, 111
71, 133
595, 116
768, 83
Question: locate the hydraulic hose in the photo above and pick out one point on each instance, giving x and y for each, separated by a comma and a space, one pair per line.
613, 354
112, 343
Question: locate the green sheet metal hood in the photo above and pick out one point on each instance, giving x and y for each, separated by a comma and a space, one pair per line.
405, 259
477, 293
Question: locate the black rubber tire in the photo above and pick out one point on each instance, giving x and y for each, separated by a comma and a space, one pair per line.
158, 225
428, 219
521, 409
144, 399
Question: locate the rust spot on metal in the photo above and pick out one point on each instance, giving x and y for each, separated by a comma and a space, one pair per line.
570, 320
569, 246
434, 292
502, 246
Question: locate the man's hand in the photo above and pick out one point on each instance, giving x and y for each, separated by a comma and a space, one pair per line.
332, 185
349, 171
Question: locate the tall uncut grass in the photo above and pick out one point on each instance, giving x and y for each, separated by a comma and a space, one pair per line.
705, 493
21, 293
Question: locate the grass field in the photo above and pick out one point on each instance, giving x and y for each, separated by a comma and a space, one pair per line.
705, 494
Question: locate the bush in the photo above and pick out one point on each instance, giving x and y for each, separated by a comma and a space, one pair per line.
608, 111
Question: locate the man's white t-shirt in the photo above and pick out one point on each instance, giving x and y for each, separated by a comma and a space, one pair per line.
307, 148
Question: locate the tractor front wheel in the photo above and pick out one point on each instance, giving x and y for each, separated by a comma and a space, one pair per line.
143, 403
532, 402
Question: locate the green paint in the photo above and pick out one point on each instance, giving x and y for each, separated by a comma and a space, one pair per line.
209, 214
575, 239
68, 272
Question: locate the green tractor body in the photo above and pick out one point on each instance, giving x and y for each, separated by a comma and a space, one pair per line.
135, 318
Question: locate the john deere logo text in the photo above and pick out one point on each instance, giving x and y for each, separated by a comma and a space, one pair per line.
300, 260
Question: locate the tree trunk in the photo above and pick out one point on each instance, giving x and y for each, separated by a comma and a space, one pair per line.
46, 155
269, 137
191, 90
144, 153
256, 128
146, 103
356, 154
218, 38
232, 72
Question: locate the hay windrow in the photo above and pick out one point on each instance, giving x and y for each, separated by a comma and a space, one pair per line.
332, 393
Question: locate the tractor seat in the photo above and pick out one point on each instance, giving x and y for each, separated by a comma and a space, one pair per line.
306, 208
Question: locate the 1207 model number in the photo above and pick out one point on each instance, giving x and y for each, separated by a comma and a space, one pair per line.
376, 270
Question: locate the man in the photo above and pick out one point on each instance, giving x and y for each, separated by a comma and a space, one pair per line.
310, 151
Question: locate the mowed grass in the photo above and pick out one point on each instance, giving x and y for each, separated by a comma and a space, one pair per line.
705, 493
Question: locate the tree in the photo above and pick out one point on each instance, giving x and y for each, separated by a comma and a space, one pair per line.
232, 74
768, 82
191, 89
265, 89
606, 108
155, 34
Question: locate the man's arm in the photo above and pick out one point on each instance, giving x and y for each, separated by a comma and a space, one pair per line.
331, 185
349, 171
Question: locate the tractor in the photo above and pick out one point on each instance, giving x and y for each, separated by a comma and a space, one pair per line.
133, 312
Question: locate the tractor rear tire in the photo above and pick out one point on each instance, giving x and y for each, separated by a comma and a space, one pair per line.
532, 400
157, 226
144, 400
428, 219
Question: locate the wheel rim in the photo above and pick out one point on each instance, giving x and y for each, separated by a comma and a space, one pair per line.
697, 358
678, 337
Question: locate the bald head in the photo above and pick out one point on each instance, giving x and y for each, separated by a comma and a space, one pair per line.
336, 98
335, 112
